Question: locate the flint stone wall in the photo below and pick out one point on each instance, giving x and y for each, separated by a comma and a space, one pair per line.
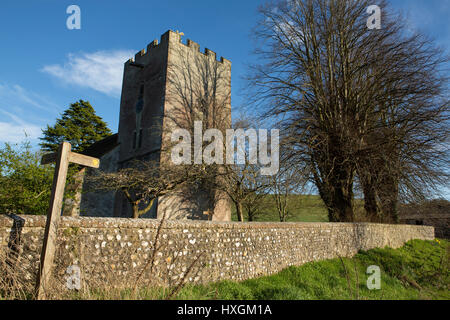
112, 251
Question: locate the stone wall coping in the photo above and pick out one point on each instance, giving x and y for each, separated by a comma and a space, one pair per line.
31, 221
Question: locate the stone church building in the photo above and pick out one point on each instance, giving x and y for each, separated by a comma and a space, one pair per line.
165, 87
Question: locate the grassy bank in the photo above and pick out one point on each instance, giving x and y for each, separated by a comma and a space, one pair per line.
419, 270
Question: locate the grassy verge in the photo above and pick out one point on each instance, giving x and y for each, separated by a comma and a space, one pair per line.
419, 270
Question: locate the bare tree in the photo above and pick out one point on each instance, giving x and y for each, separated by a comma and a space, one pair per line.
255, 204
243, 182
245, 186
354, 102
285, 184
143, 183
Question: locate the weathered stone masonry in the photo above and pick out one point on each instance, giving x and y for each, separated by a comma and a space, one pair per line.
118, 249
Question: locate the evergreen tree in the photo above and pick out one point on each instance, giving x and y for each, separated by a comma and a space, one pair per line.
79, 125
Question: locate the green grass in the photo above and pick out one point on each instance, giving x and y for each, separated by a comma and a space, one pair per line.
419, 270
303, 208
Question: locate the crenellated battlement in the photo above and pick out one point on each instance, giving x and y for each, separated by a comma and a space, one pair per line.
152, 45
193, 45
174, 38
207, 52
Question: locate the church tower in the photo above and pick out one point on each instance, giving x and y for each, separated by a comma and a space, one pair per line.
165, 87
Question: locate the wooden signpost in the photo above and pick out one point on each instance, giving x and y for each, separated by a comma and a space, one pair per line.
62, 158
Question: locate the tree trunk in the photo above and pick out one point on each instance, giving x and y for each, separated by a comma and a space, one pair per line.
250, 215
334, 173
342, 199
370, 204
137, 213
338, 198
239, 211
389, 199
369, 188
135, 210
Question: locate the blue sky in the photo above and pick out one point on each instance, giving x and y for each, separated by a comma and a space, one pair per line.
44, 66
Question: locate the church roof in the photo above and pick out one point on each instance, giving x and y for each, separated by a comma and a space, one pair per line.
103, 146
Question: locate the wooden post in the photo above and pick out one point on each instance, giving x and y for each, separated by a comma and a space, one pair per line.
62, 158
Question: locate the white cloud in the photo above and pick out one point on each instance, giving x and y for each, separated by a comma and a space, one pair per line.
101, 70
11, 95
23, 113
17, 129
17, 132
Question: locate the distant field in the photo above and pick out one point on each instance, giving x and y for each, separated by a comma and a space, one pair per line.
305, 208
